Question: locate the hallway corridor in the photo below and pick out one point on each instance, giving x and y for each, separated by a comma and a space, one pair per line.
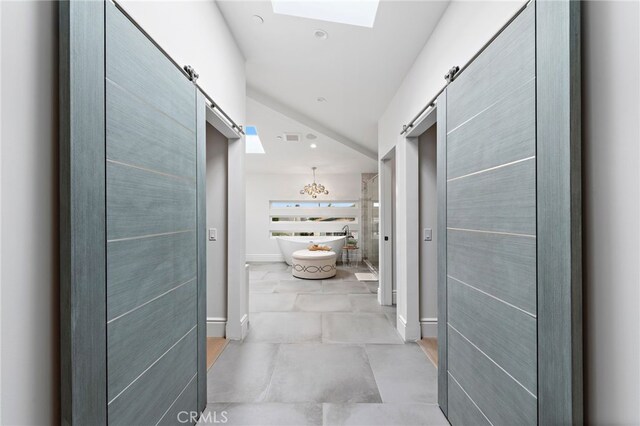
321, 353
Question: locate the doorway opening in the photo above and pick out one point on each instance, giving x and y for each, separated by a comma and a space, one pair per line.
428, 278
217, 160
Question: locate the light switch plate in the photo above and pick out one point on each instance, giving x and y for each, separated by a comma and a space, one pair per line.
213, 234
428, 234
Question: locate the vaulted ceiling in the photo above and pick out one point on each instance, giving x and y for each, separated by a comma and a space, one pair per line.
343, 82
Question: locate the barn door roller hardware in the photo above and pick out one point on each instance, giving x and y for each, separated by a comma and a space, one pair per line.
191, 73
451, 74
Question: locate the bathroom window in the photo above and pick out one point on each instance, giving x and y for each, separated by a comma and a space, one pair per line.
310, 234
313, 204
311, 219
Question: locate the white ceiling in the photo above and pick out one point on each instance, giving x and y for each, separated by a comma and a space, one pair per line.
330, 156
356, 69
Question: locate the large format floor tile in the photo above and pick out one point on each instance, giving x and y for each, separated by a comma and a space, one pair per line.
372, 286
323, 303
320, 352
257, 275
411, 380
344, 287
345, 274
358, 328
279, 275
268, 266
369, 303
262, 286
271, 302
298, 286
262, 414
322, 373
383, 415
285, 327
242, 372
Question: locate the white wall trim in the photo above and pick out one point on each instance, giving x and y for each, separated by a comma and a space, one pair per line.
429, 327
265, 258
403, 329
407, 238
421, 125
385, 274
237, 272
216, 327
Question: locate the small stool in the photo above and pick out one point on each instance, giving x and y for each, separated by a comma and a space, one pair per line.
313, 265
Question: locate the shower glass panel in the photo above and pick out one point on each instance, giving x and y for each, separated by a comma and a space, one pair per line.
370, 221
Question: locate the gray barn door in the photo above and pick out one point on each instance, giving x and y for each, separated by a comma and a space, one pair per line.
152, 292
132, 280
491, 332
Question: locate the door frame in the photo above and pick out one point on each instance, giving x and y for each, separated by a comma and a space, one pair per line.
412, 230
237, 320
387, 225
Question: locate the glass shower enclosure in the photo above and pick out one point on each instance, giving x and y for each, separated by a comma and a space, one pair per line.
370, 221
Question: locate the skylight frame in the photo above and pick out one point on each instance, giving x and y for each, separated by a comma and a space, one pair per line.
253, 144
360, 13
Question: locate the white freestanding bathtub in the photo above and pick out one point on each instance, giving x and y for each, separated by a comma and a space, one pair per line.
290, 244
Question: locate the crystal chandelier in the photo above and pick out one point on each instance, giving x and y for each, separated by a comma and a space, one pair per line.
314, 189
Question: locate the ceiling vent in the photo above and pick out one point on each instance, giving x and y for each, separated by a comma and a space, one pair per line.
292, 137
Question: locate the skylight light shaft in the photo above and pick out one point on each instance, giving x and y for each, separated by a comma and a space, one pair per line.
361, 13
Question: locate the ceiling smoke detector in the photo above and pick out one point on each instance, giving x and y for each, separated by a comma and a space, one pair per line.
311, 136
257, 19
321, 34
321, 99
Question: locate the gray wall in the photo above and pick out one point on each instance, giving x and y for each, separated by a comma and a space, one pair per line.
217, 166
428, 219
611, 184
29, 226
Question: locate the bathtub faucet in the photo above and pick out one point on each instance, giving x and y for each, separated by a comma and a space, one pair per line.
346, 230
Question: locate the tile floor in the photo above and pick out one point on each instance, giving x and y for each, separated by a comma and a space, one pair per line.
320, 353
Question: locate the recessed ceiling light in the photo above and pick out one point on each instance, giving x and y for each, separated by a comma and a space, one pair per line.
321, 34
321, 99
311, 136
313, 146
257, 19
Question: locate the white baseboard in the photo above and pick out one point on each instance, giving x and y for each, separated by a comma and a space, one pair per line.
265, 258
244, 325
429, 327
401, 325
216, 327
408, 333
244, 329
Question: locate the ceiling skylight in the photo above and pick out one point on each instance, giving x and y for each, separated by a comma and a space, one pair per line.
253, 144
352, 12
